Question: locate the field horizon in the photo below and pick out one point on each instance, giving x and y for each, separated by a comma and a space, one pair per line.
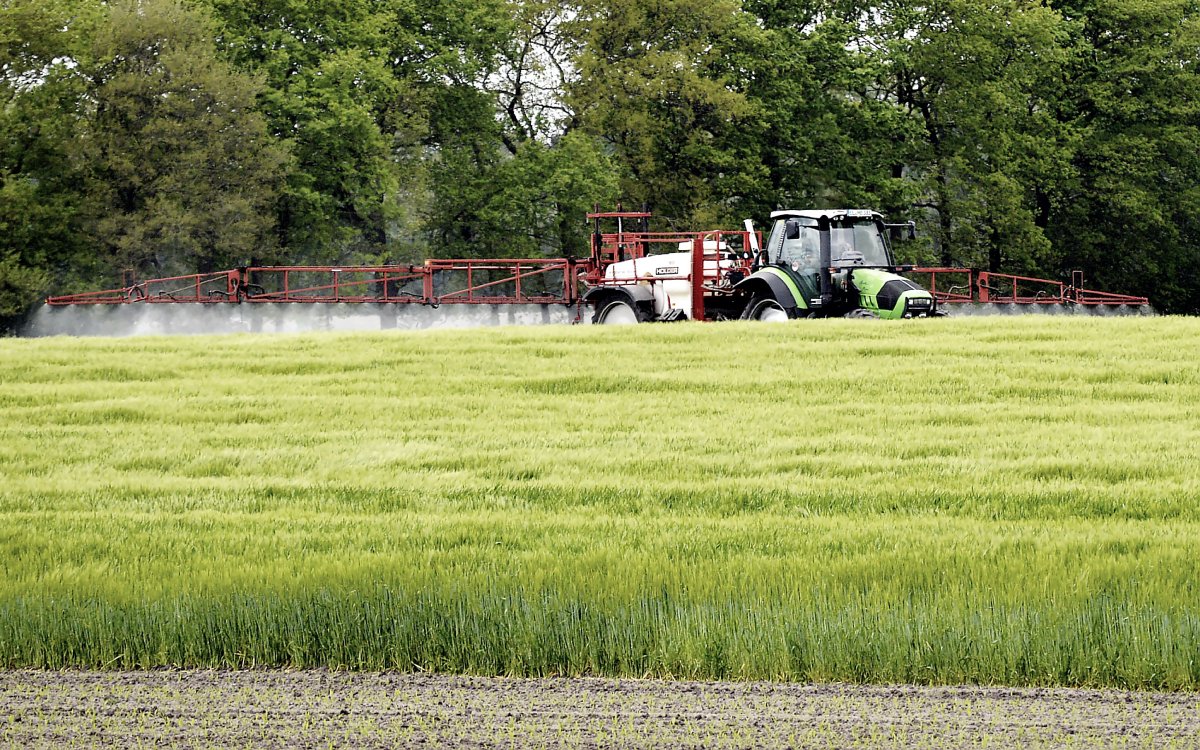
1006, 501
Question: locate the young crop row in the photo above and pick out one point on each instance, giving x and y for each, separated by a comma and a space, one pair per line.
998, 501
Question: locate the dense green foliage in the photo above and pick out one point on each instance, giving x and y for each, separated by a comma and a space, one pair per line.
160, 135
1003, 501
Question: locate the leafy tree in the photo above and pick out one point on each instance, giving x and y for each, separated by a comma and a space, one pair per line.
489, 201
975, 77
659, 81
327, 93
186, 169
351, 85
532, 71
529, 204
512, 175
41, 241
831, 134
1129, 219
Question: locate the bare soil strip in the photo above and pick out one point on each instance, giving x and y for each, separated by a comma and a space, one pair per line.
319, 709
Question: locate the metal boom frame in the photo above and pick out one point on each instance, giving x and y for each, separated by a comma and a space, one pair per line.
717, 257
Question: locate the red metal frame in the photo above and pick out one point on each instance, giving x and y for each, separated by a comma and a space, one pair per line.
1093, 297
950, 284
517, 271
506, 281
968, 285
365, 283
198, 287
470, 281
1016, 290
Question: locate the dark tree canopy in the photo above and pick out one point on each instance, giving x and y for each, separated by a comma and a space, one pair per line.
185, 175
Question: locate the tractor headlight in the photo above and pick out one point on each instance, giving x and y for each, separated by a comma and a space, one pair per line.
918, 305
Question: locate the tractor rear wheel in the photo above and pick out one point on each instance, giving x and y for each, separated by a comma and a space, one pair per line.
767, 310
616, 312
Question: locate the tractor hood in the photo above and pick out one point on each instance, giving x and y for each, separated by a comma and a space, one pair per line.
888, 294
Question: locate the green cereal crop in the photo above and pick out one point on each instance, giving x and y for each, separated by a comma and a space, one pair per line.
1000, 500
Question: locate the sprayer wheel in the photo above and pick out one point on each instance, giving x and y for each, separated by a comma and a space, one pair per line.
615, 313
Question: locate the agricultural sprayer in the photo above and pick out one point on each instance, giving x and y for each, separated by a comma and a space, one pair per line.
814, 263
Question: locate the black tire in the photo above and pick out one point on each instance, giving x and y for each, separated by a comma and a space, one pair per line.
862, 313
616, 311
765, 309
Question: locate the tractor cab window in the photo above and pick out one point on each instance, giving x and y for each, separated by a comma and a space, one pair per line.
800, 250
804, 251
796, 242
857, 243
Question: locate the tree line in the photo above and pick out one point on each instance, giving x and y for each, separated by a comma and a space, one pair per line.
173, 136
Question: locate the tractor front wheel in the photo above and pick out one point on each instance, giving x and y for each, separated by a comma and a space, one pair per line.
766, 310
862, 312
616, 312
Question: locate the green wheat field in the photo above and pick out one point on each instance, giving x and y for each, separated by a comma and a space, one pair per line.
993, 500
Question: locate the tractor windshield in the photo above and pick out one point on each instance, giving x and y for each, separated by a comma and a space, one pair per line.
857, 243
854, 241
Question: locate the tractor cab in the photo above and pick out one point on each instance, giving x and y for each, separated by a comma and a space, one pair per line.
835, 262
856, 238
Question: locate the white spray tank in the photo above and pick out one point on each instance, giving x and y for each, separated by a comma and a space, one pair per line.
666, 275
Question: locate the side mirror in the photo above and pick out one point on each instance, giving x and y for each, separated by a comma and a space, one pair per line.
791, 230
909, 228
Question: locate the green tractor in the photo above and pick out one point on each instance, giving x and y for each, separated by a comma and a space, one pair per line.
824, 263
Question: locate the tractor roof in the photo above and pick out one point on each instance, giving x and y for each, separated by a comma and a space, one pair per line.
833, 213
